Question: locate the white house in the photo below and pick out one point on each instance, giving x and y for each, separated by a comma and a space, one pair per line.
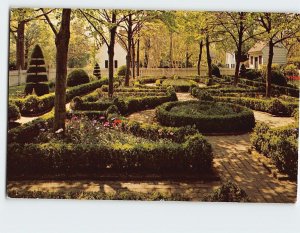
259, 54
119, 56
230, 59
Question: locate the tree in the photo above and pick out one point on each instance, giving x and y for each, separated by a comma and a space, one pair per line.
278, 27
36, 74
18, 20
105, 23
62, 37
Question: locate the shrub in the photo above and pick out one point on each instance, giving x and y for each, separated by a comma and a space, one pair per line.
279, 144
77, 77
204, 96
278, 78
13, 112
252, 74
291, 70
276, 107
228, 192
180, 85
243, 70
163, 158
121, 71
36, 74
207, 117
260, 104
97, 71
215, 71
118, 195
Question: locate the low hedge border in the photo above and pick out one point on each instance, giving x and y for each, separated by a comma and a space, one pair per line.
127, 105
239, 122
34, 106
58, 160
180, 85
264, 105
123, 195
279, 144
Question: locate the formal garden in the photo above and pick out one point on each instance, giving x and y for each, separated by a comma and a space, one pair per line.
153, 136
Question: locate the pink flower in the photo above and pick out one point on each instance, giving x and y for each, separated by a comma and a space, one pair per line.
106, 124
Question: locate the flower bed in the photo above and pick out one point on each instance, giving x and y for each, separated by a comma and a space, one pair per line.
207, 116
99, 147
279, 144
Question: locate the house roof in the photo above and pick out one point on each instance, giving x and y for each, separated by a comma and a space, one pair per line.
258, 47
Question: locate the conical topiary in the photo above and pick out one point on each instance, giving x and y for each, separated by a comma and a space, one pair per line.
97, 71
36, 74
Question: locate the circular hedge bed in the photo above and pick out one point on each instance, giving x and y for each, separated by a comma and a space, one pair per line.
207, 116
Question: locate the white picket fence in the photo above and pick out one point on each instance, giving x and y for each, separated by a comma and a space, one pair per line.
19, 77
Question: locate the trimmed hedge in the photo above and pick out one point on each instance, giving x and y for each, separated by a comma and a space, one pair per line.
13, 112
33, 105
279, 144
77, 77
264, 105
239, 122
127, 105
193, 156
180, 85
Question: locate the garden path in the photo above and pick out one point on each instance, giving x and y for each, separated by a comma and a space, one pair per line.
234, 162
24, 120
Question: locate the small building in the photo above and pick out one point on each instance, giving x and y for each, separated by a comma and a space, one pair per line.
230, 60
119, 56
259, 55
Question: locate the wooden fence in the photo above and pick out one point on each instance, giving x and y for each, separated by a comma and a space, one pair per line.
19, 77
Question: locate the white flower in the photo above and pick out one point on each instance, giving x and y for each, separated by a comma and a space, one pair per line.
59, 130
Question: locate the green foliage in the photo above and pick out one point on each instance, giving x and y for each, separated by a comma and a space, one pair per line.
119, 195
291, 70
36, 74
121, 71
97, 71
208, 117
90, 148
77, 77
251, 74
13, 112
279, 144
264, 105
228, 192
243, 70
180, 85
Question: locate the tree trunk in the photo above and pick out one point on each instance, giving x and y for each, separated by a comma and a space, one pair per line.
239, 51
171, 50
26, 55
138, 57
128, 56
199, 57
269, 68
147, 47
111, 52
133, 59
20, 46
208, 57
62, 46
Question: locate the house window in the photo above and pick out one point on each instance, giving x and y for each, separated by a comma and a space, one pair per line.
106, 63
116, 63
232, 65
260, 60
251, 60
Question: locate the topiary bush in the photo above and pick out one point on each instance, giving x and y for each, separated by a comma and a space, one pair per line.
121, 71
243, 70
276, 107
77, 77
13, 112
97, 71
36, 74
215, 71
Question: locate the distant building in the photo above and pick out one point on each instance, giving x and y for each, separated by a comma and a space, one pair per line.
230, 60
259, 54
119, 56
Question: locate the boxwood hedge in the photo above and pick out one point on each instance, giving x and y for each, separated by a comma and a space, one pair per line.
242, 121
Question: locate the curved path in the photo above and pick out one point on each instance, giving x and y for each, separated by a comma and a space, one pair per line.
232, 161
